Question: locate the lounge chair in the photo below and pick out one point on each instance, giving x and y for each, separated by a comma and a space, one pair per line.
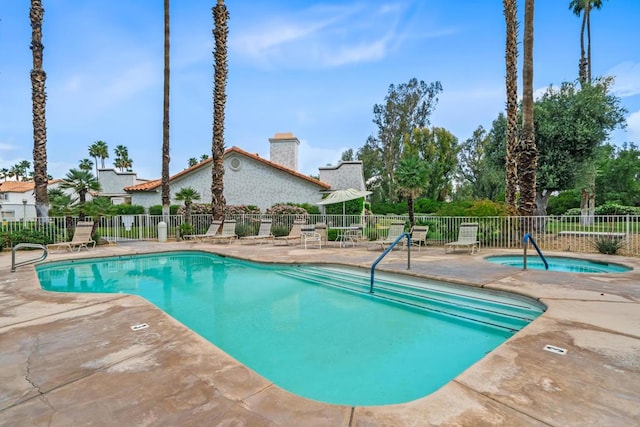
81, 238
211, 231
264, 233
419, 236
395, 230
467, 238
226, 235
294, 234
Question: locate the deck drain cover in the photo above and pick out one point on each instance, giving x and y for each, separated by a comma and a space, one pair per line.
554, 349
139, 326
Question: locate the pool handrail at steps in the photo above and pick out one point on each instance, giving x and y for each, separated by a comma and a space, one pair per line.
15, 265
529, 237
387, 250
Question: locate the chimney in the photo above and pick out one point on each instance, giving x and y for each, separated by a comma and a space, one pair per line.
284, 150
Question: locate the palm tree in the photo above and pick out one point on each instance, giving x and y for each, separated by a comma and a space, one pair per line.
192, 162
584, 7
166, 197
85, 165
99, 150
39, 101
81, 182
122, 160
188, 195
411, 179
4, 173
62, 205
220, 32
511, 57
528, 153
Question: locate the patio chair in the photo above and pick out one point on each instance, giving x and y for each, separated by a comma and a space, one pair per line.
395, 230
294, 234
264, 233
317, 234
419, 236
81, 238
353, 234
211, 231
226, 235
467, 238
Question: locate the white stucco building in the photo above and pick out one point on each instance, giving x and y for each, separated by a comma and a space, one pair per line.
252, 180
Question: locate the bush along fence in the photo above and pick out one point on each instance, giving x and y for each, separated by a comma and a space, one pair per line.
608, 234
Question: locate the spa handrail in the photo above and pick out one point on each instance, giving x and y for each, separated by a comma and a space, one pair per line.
15, 265
529, 237
387, 250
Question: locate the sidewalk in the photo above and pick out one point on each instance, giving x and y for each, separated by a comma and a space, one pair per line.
72, 359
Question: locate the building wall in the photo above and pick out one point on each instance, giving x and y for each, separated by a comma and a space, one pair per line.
246, 182
283, 150
113, 182
344, 175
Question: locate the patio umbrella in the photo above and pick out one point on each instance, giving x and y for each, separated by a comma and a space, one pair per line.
342, 196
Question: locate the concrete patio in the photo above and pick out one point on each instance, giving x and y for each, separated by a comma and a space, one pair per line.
72, 359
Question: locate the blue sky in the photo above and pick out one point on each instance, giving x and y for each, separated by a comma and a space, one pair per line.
314, 68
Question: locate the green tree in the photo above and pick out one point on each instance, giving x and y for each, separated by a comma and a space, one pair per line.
192, 162
81, 182
85, 165
187, 195
347, 156
571, 122
438, 148
477, 170
220, 33
411, 180
618, 178
39, 101
99, 150
406, 107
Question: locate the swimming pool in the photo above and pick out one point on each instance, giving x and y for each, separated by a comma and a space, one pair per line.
558, 263
315, 331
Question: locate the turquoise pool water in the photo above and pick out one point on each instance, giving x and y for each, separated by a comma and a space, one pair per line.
315, 331
556, 263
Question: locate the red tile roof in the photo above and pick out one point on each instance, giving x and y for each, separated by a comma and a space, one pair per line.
152, 185
20, 186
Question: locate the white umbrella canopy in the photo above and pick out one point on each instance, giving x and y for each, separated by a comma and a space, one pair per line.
342, 196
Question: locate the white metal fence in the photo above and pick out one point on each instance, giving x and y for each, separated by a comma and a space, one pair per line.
557, 233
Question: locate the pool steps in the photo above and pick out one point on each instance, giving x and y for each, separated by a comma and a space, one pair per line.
475, 305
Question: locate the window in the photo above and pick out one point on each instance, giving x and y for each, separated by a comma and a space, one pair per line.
235, 164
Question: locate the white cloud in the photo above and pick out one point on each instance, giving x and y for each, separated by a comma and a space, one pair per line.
311, 158
326, 36
627, 79
633, 127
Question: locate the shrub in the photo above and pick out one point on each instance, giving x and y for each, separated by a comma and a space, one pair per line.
287, 209
157, 210
185, 228
24, 235
130, 209
564, 201
608, 245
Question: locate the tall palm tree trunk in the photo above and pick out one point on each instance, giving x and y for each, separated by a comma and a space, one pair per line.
39, 100
511, 59
220, 32
166, 198
528, 153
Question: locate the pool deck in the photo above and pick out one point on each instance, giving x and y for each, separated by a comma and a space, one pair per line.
73, 359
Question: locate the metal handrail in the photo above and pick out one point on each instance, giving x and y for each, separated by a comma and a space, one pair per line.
386, 251
529, 237
15, 265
